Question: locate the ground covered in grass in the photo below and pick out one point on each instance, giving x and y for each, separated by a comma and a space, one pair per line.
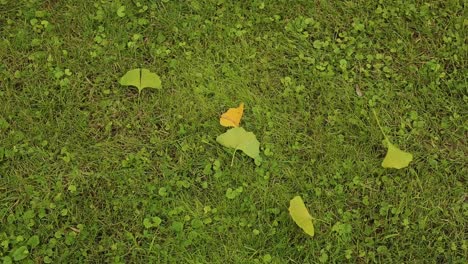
92, 171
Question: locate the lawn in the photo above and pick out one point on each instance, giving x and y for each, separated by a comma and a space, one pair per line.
92, 171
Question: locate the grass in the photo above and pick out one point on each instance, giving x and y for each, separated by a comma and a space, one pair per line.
90, 171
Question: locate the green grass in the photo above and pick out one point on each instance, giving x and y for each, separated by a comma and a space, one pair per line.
84, 161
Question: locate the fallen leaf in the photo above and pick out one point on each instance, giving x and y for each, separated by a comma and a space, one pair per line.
131, 78
150, 80
301, 216
238, 138
141, 78
358, 91
76, 230
232, 117
396, 158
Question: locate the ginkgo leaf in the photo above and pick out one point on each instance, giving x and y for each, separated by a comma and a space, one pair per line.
131, 78
238, 138
301, 216
141, 78
396, 158
232, 117
150, 80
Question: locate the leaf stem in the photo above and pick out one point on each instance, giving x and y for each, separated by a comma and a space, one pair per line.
232, 160
378, 123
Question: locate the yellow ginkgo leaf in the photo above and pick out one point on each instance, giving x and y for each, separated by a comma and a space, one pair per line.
232, 116
301, 216
396, 158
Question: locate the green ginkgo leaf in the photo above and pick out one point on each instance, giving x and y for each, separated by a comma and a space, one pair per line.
396, 158
238, 138
301, 216
131, 78
141, 78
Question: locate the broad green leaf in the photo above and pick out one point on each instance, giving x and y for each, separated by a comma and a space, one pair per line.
238, 138
396, 158
7, 260
20, 253
301, 216
33, 241
141, 78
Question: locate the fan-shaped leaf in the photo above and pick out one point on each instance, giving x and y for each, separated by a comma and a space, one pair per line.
238, 138
396, 158
141, 78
